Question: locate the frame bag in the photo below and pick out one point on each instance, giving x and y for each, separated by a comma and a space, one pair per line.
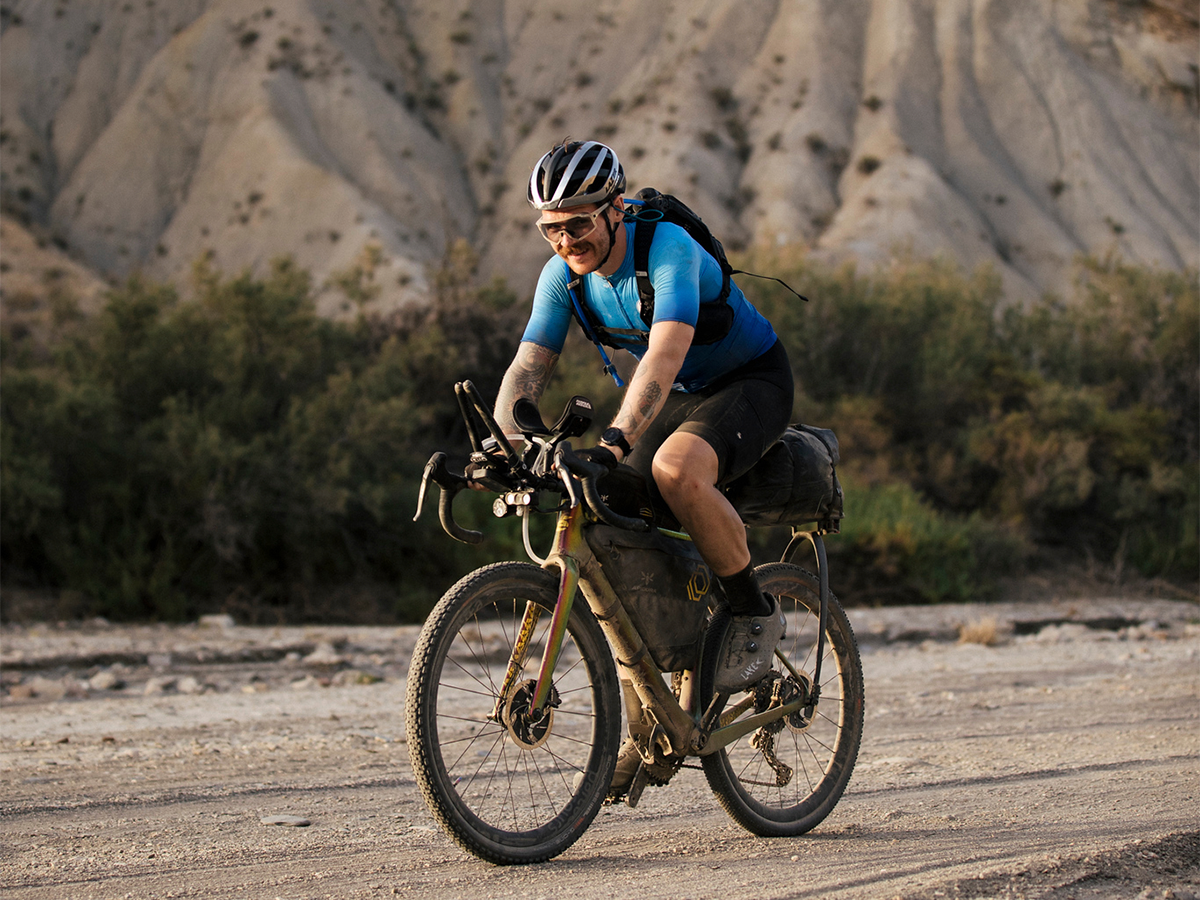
664, 586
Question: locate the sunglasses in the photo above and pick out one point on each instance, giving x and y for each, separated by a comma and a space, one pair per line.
576, 227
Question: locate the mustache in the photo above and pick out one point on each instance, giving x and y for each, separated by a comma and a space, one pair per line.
579, 248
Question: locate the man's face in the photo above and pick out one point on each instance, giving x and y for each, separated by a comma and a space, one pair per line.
593, 223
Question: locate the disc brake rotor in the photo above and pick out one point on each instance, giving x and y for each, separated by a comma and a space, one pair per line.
796, 690
525, 725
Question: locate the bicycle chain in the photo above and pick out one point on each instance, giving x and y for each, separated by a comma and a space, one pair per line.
771, 692
764, 742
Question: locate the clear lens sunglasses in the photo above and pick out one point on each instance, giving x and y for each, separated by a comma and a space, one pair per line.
576, 227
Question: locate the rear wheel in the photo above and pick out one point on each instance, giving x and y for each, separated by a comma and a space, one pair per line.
785, 778
508, 785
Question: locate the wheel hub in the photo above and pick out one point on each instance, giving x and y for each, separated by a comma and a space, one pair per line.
775, 691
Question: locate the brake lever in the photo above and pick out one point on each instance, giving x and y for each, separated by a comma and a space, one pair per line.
563, 473
450, 484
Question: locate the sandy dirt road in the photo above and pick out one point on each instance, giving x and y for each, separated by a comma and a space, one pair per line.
1062, 762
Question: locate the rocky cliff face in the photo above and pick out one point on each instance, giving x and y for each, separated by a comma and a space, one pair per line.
140, 135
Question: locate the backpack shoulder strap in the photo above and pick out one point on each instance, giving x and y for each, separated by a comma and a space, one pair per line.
587, 320
643, 237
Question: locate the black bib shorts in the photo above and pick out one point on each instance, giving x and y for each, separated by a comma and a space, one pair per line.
739, 415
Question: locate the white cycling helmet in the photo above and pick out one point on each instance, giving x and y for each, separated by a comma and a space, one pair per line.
576, 174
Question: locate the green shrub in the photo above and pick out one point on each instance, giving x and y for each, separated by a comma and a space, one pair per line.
238, 452
1075, 420
895, 547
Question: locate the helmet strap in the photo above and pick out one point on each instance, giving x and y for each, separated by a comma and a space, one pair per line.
612, 239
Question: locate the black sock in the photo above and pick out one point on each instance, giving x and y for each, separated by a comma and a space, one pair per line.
743, 593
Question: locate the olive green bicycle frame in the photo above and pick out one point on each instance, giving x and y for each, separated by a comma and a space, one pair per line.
686, 731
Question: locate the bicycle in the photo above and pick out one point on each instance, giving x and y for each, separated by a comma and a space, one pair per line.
513, 705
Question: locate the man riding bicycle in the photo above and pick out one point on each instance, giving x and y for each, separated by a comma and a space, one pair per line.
694, 416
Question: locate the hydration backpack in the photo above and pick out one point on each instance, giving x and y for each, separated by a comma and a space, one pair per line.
715, 316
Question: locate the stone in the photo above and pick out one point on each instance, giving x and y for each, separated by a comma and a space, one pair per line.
48, 688
21, 692
159, 685
289, 820
106, 680
354, 676
324, 655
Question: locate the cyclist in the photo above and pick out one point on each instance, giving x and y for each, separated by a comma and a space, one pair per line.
694, 416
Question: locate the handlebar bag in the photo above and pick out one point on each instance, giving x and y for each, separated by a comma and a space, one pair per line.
665, 587
795, 482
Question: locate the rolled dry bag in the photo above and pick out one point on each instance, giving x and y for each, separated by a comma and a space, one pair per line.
795, 483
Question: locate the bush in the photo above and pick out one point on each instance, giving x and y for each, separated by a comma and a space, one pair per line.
1077, 421
238, 453
896, 548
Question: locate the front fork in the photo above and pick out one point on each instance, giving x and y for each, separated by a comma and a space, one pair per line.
567, 540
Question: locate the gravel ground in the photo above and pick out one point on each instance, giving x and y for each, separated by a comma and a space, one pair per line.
1053, 755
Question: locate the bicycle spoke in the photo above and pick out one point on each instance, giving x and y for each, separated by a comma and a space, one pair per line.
819, 753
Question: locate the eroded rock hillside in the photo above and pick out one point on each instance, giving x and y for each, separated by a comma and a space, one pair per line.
141, 134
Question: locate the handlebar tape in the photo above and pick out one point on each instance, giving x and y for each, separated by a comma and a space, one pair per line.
592, 494
589, 474
449, 484
446, 516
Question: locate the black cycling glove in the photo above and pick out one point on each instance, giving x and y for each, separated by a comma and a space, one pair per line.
600, 455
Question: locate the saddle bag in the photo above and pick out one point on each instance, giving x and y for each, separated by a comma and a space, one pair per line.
795, 483
665, 587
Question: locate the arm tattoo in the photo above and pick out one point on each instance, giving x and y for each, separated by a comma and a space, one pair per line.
640, 407
527, 376
657, 370
648, 402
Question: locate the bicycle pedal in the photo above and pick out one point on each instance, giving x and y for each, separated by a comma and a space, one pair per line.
636, 787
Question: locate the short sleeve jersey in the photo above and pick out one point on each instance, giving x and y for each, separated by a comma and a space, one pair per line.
684, 276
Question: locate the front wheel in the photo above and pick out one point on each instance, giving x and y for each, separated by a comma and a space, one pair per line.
510, 785
785, 778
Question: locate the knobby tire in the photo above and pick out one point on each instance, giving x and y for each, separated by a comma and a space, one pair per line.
501, 800
822, 754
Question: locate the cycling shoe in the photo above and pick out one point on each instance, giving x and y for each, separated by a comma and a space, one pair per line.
628, 761
750, 647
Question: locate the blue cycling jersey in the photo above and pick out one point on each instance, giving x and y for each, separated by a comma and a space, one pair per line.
683, 275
